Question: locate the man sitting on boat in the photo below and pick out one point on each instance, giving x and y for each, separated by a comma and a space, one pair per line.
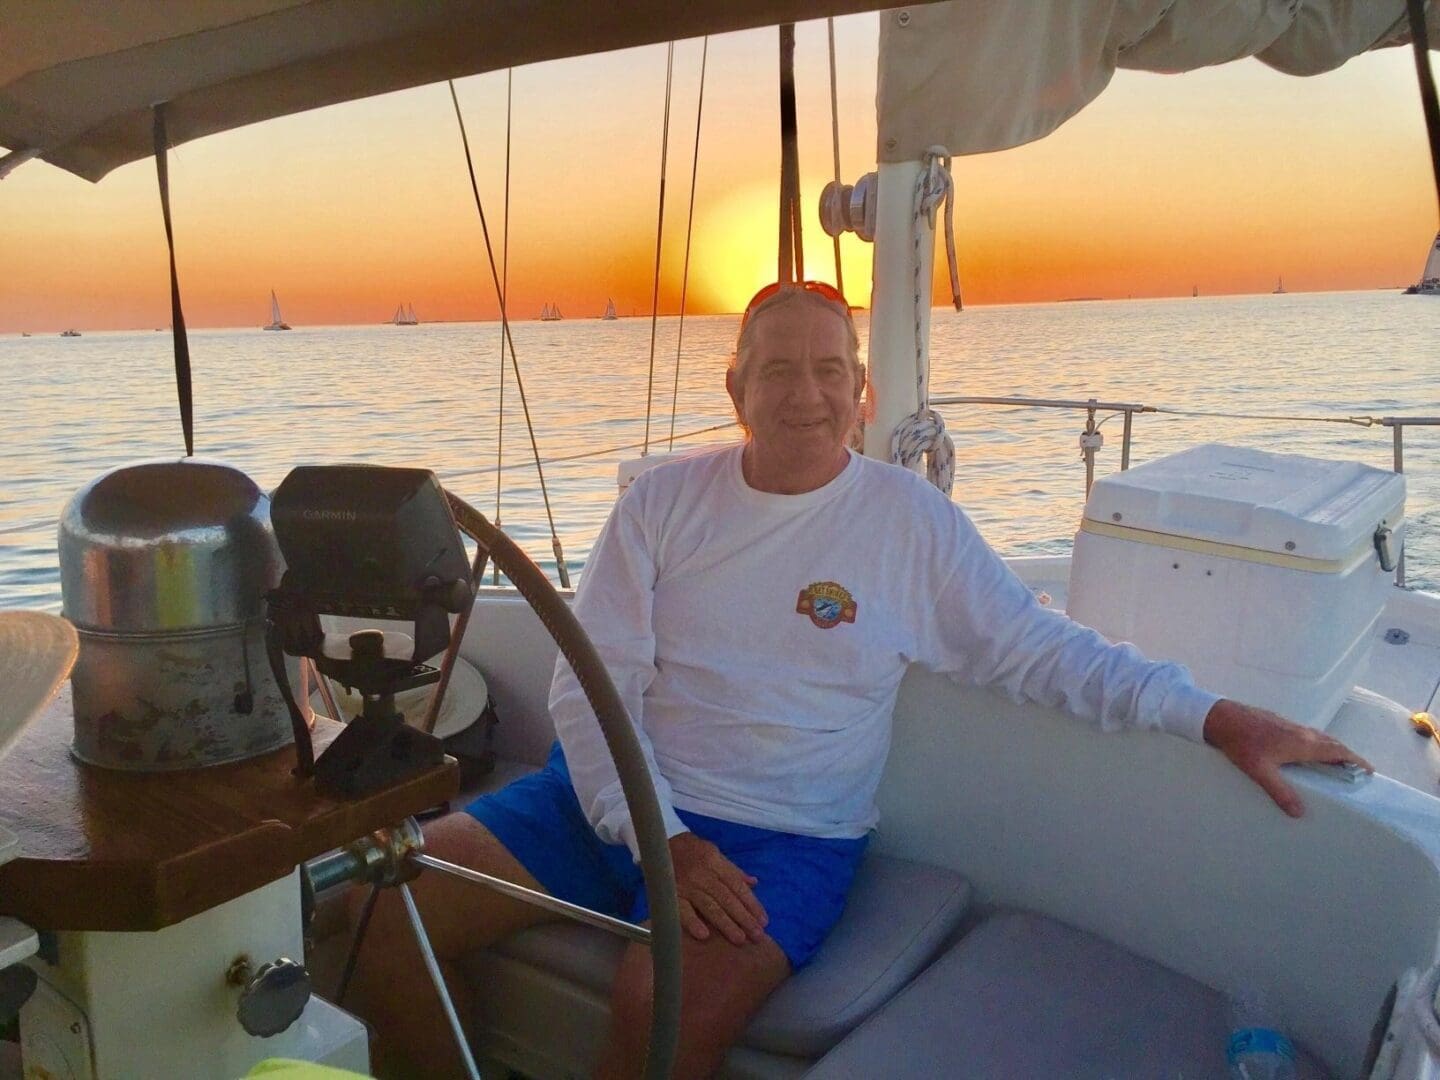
757, 618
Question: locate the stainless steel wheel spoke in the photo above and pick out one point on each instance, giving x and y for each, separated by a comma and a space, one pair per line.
438, 977
539, 899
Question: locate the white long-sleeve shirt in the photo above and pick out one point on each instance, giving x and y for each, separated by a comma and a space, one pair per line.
758, 642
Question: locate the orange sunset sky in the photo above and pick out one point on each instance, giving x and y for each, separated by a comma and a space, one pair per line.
1223, 179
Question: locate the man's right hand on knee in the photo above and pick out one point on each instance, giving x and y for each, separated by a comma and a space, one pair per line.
714, 892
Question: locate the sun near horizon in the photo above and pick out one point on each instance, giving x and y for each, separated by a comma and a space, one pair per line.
1220, 181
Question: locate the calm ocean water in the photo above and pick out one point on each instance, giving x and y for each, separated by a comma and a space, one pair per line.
71, 408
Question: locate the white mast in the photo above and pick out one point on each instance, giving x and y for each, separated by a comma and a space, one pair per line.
899, 357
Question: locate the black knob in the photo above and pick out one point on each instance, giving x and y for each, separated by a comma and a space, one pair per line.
458, 596
367, 644
274, 998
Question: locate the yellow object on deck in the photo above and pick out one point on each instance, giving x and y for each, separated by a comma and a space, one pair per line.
285, 1069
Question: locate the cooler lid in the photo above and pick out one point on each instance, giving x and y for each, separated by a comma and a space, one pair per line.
1282, 503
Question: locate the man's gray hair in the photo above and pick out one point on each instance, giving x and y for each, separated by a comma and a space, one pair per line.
789, 296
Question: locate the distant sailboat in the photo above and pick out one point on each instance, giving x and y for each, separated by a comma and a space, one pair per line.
1279, 287
405, 316
276, 322
609, 310
550, 313
1194, 290
1429, 283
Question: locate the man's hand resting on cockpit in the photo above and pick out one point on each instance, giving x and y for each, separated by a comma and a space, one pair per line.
714, 892
1258, 742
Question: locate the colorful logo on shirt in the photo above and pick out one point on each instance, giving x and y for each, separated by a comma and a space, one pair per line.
828, 604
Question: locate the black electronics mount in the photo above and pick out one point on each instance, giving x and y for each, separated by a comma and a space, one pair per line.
373, 543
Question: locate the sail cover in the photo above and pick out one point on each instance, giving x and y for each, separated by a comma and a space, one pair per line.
982, 75
78, 78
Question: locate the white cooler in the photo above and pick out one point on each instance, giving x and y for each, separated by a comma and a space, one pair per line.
1264, 574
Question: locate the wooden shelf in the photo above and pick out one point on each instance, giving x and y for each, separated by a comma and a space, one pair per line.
103, 849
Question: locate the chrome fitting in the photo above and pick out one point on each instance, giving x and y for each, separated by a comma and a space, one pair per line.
850, 207
382, 858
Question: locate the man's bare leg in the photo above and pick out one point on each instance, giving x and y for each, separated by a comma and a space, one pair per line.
392, 989
722, 987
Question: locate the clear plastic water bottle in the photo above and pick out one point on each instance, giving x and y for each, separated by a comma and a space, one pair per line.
1256, 1050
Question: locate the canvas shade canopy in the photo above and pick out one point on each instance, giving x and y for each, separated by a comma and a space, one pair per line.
976, 76
78, 78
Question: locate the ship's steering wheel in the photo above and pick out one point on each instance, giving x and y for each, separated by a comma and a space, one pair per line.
531, 582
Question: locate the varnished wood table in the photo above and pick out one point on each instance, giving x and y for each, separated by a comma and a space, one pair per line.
102, 849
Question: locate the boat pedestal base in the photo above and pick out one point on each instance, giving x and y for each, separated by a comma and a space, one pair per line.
164, 1002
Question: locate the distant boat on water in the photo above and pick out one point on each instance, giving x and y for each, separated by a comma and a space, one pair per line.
1429, 283
405, 316
1279, 287
550, 313
276, 322
1194, 290
609, 311
66, 333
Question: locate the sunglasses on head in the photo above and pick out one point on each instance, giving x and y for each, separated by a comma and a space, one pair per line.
820, 288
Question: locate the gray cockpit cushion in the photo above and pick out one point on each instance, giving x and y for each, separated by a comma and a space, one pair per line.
898, 916
1024, 995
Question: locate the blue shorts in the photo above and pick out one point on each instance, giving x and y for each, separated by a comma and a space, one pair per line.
802, 880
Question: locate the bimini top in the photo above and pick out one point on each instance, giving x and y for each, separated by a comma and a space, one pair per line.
79, 78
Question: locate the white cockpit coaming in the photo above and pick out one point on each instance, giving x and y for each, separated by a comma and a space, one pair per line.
1146, 841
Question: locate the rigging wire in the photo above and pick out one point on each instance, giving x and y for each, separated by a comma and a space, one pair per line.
689, 229
835, 146
623, 446
1419, 39
659, 235
177, 316
792, 254
561, 569
504, 289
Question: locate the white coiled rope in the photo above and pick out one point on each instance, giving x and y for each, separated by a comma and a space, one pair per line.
936, 185
1416, 1012
922, 434
1427, 1009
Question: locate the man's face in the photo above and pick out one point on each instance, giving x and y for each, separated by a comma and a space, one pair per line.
796, 389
